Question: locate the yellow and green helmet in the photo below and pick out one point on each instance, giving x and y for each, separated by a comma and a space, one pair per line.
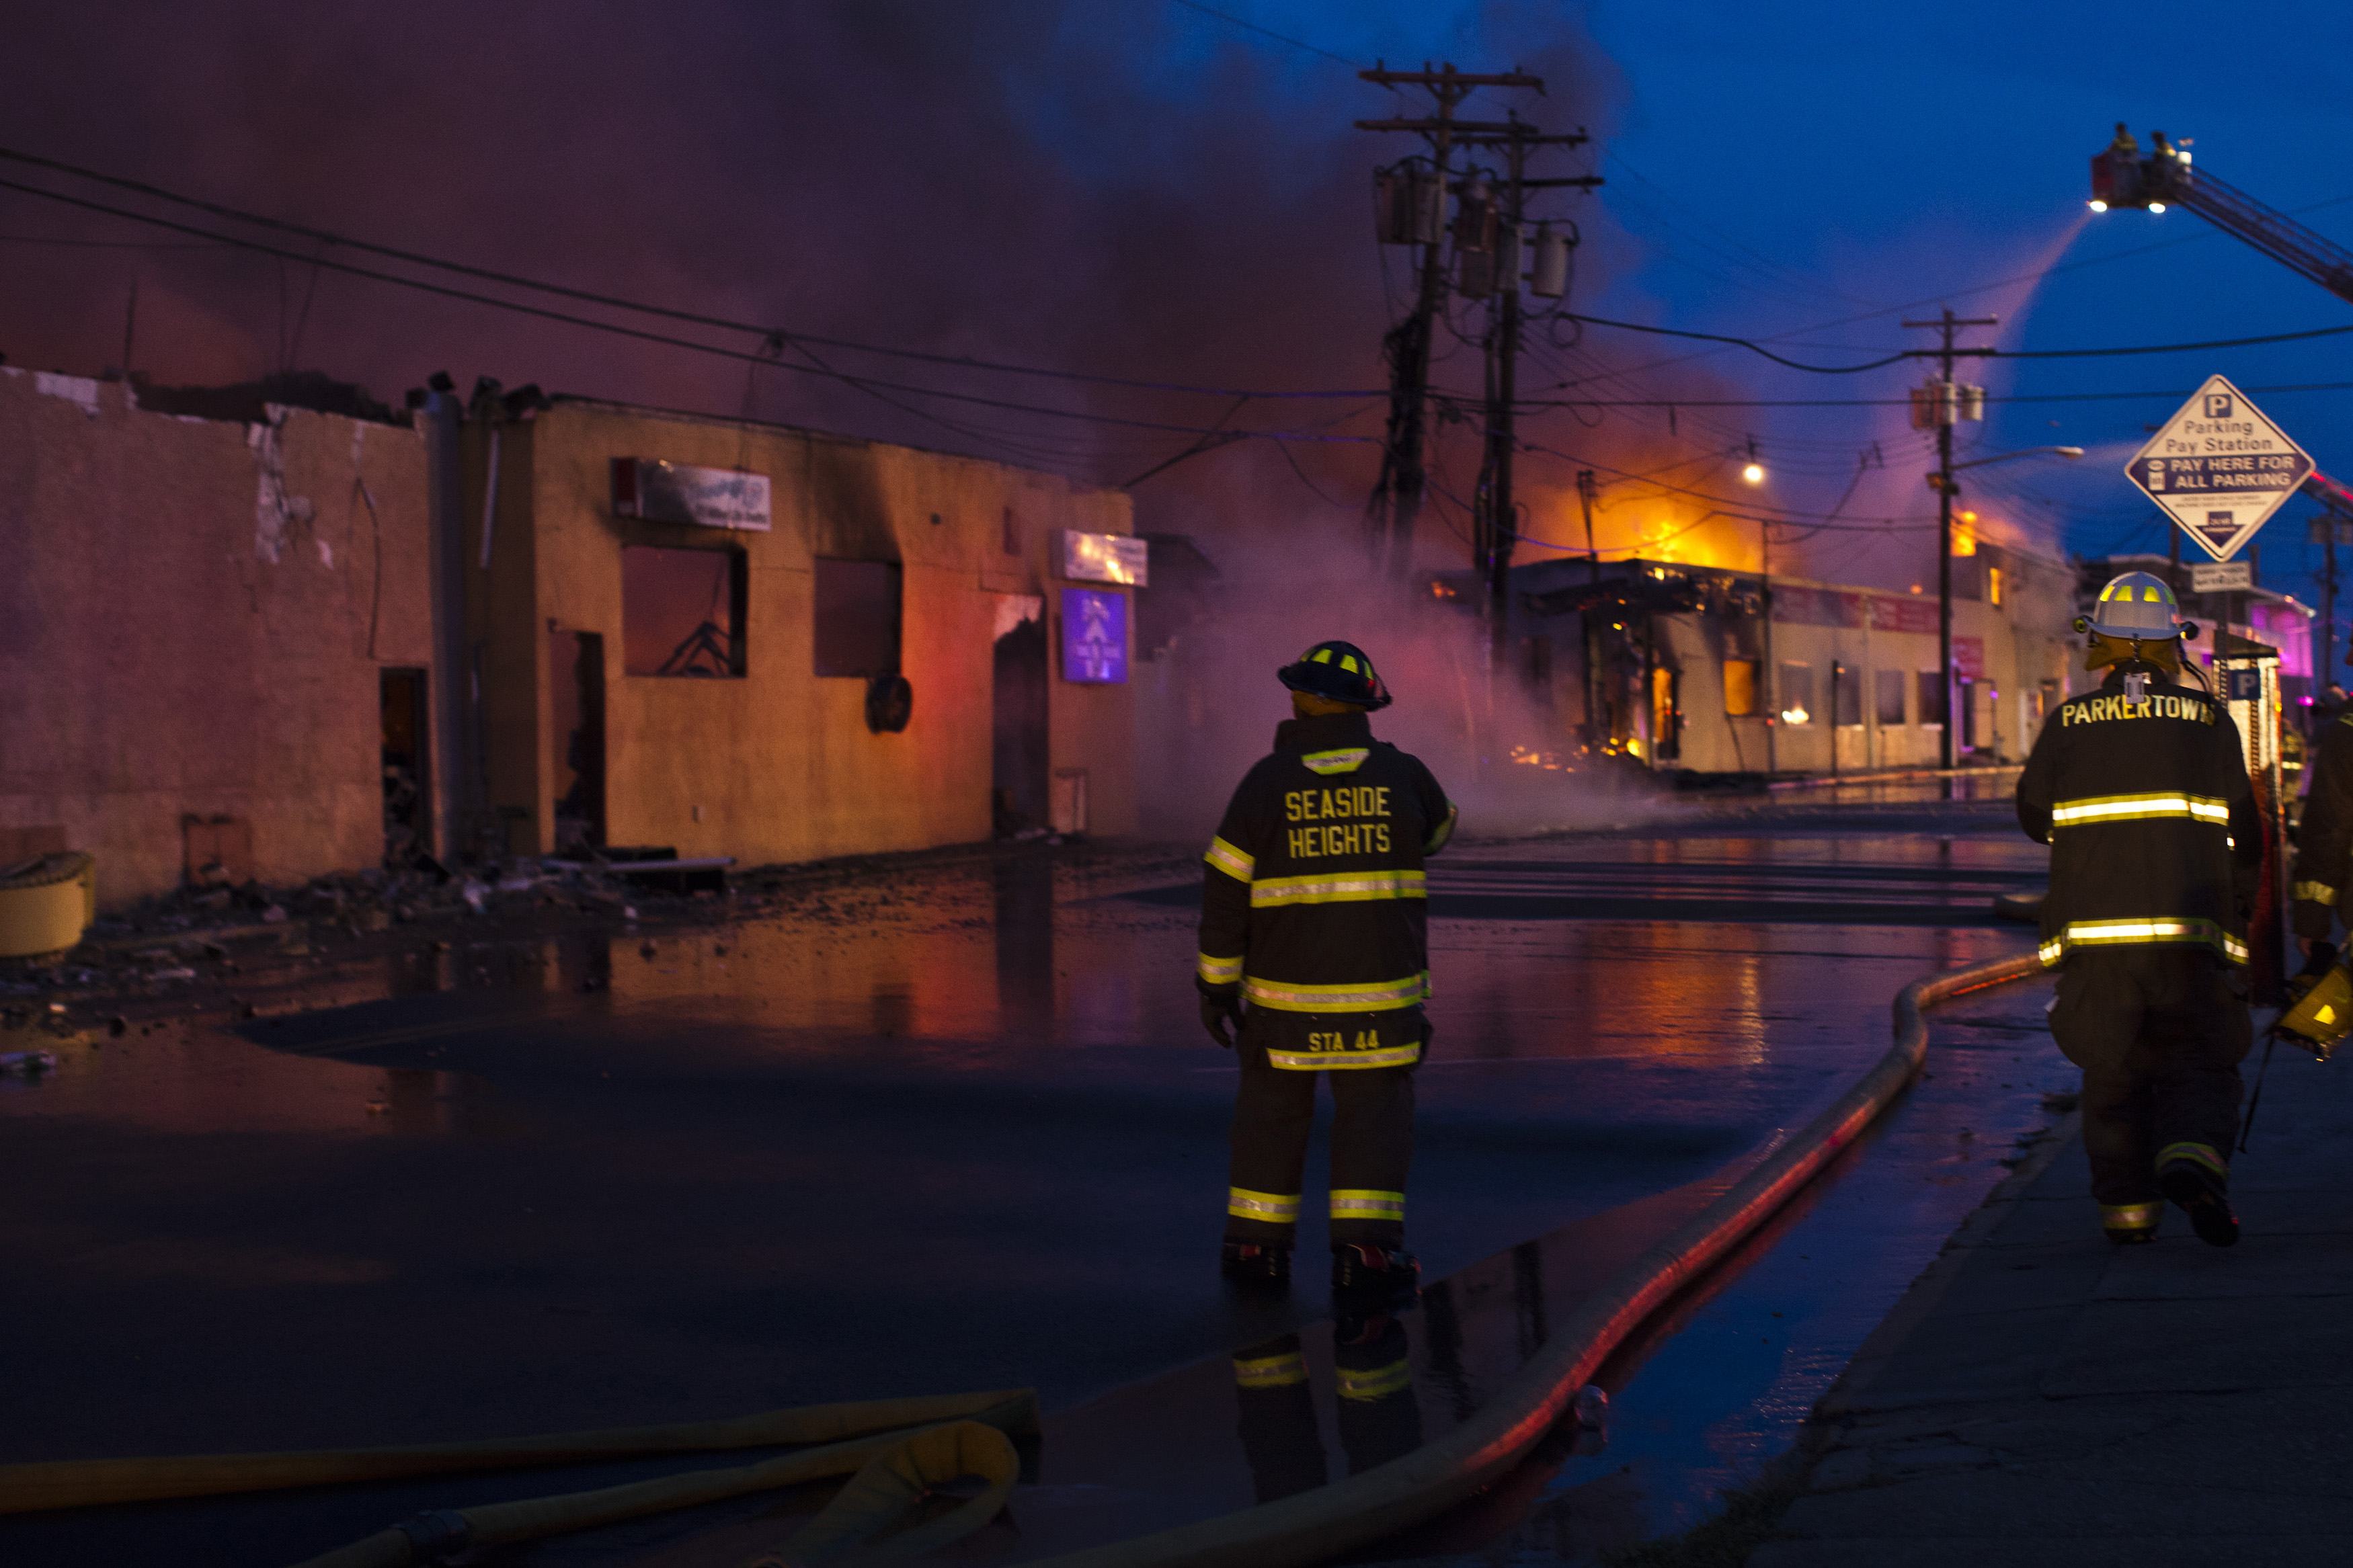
1339, 670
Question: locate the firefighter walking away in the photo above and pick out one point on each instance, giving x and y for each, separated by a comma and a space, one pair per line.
2141, 790
1315, 964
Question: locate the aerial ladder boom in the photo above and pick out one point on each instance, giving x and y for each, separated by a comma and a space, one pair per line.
2122, 177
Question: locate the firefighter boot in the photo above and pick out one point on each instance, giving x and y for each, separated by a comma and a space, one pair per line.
2195, 1179
2128, 1224
1368, 1278
1256, 1265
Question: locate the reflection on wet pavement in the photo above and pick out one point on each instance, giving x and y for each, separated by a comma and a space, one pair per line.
954, 1129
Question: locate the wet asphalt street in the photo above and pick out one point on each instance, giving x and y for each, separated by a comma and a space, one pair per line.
956, 1129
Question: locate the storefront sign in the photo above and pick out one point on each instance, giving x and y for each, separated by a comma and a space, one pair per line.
1095, 636
661, 491
1968, 658
1104, 558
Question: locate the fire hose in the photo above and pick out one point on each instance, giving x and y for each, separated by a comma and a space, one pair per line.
897, 1455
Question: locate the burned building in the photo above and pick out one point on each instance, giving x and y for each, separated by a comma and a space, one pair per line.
733, 639
1697, 671
213, 613
278, 631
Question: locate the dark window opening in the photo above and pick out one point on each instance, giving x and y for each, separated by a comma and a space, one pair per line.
682, 611
858, 615
1890, 698
575, 684
1846, 694
408, 819
1932, 697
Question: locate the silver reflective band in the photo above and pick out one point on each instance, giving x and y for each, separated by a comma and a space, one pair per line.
1230, 859
2128, 808
1365, 996
2137, 932
1337, 1061
1356, 888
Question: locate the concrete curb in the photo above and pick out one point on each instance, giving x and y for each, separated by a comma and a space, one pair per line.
1381, 1502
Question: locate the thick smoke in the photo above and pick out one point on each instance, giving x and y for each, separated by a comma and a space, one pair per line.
1130, 191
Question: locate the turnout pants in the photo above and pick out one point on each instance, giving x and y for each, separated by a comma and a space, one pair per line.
1372, 1146
2160, 1032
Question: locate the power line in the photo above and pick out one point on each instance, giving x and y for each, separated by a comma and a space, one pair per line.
1263, 32
589, 296
640, 334
1575, 403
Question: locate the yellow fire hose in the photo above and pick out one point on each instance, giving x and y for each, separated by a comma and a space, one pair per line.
897, 1452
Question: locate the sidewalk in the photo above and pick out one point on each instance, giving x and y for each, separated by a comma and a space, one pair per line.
2039, 1397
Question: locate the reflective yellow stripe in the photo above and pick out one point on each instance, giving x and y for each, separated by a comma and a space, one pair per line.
2201, 1154
2123, 933
1226, 858
2314, 893
1275, 1208
1366, 1203
1347, 760
1339, 888
1269, 1371
1444, 831
2128, 808
1334, 1061
1378, 1384
1364, 997
2130, 1217
1220, 970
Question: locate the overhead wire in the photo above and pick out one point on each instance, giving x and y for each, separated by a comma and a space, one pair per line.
587, 296
864, 383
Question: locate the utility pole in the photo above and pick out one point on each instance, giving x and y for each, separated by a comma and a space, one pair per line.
1947, 404
1496, 524
1397, 504
2326, 528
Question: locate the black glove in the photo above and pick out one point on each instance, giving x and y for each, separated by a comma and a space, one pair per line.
1221, 1014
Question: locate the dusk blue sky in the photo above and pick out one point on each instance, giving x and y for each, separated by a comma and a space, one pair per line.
1786, 167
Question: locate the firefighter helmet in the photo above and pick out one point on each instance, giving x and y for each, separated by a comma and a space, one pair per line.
1337, 671
2136, 608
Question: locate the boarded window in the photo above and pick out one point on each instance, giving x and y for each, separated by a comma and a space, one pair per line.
682, 611
1932, 697
1797, 694
858, 617
1739, 687
1847, 681
1891, 697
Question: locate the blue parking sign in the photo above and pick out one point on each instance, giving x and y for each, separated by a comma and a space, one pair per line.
1095, 636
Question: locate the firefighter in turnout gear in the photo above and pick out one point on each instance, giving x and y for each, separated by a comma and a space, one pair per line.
1312, 916
2142, 792
2324, 845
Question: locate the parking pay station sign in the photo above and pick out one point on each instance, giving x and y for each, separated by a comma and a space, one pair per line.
2220, 467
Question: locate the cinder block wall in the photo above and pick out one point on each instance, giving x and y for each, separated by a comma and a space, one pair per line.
193, 621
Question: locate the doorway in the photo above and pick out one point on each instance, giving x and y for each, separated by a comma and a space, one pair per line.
407, 815
576, 680
1018, 752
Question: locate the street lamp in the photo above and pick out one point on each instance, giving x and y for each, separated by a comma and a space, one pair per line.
1941, 481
